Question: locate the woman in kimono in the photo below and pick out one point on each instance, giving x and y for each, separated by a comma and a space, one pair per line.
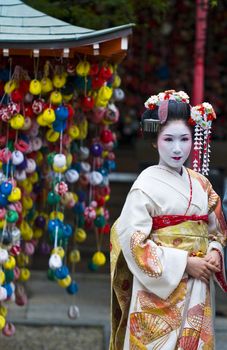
167, 244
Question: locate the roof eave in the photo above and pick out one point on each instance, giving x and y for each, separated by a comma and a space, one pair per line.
80, 40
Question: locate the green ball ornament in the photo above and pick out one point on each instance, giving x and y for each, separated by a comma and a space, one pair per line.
51, 275
53, 198
100, 221
12, 216
50, 158
9, 275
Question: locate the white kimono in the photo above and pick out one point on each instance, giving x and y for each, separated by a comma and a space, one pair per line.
155, 304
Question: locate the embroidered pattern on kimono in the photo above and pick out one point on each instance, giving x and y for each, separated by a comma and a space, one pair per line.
155, 304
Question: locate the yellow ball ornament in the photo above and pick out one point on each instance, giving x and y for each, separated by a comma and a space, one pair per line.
35, 87
3, 311
57, 215
56, 97
58, 250
10, 86
25, 274
10, 263
80, 235
74, 256
99, 259
52, 136
2, 277
83, 68
17, 121
27, 202
15, 195
2, 322
65, 282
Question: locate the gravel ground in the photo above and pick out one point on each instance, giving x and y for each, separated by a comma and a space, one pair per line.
53, 338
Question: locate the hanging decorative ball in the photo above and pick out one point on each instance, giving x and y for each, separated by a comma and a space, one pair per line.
65, 282
80, 235
73, 312
2, 322
59, 160
72, 288
9, 329
4, 256
35, 87
6, 188
96, 150
71, 175
74, 256
55, 261
99, 259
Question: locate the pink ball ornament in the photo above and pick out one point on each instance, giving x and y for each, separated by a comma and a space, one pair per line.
29, 248
37, 143
13, 108
98, 115
38, 106
9, 329
89, 213
61, 188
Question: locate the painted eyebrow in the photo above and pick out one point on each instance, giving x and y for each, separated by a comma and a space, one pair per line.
174, 135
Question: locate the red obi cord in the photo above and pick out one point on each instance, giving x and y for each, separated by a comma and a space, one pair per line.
171, 220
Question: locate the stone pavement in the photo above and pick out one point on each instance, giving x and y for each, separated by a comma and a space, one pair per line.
45, 320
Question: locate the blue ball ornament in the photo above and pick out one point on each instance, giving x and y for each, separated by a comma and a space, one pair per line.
9, 289
3, 200
67, 230
6, 188
72, 288
61, 113
96, 150
61, 272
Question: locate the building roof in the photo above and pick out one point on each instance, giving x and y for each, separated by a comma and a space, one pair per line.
22, 27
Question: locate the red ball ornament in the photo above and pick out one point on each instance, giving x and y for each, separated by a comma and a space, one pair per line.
106, 136
87, 102
97, 82
28, 111
17, 95
94, 69
105, 73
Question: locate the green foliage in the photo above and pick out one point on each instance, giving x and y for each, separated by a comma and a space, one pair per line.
99, 14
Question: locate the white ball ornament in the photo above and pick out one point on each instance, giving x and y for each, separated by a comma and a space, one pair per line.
59, 160
31, 166
73, 312
55, 261
37, 143
85, 167
17, 157
20, 175
3, 256
3, 294
84, 153
72, 175
95, 178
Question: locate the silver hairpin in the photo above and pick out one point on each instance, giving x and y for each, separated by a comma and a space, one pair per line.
151, 125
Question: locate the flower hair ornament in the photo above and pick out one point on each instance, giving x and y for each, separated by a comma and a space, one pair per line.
161, 100
201, 117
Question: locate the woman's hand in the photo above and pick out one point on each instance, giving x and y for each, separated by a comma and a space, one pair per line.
213, 258
200, 268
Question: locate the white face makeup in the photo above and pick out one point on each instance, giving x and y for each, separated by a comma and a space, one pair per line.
174, 144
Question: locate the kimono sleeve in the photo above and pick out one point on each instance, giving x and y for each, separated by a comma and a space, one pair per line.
217, 233
159, 269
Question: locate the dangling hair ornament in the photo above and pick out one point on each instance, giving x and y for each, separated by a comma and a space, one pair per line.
161, 101
201, 117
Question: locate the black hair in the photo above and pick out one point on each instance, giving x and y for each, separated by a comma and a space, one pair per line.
176, 111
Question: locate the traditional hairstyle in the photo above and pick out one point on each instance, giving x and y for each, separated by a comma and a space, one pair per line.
171, 105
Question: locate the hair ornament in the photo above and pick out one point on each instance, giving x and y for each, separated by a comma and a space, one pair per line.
161, 101
202, 116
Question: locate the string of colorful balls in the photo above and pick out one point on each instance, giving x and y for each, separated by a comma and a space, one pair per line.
56, 152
